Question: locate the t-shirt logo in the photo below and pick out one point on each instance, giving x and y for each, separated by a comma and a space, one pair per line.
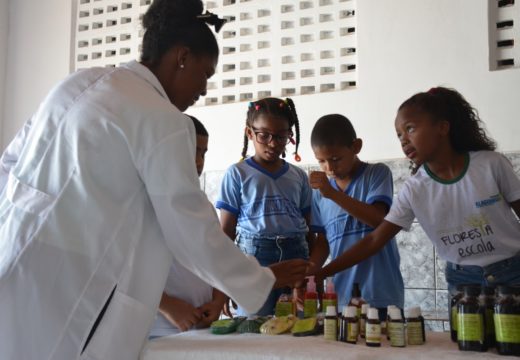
488, 202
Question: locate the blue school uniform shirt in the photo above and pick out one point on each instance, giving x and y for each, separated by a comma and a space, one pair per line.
378, 276
265, 203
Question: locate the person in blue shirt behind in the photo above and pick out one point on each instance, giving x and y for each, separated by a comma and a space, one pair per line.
351, 198
265, 202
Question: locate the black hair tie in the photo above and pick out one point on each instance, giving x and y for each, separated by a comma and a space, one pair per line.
212, 19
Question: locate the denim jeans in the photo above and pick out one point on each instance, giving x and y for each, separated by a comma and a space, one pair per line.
270, 250
504, 272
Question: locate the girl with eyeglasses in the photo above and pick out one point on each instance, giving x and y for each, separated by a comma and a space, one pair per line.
265, 201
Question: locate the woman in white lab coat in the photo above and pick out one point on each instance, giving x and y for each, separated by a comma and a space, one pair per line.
94, 208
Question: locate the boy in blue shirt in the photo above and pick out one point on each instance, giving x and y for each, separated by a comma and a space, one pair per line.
351, 198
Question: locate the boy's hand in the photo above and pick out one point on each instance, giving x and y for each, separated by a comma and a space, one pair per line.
319, 180
289, 272
180, 313
210, 312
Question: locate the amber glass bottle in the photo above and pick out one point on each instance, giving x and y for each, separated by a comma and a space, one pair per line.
507, 322
470, 321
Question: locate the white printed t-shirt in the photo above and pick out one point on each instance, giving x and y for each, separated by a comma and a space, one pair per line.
468, 219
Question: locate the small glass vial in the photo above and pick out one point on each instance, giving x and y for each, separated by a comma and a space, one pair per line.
356, 299
388, 308
373, 328
470, 325
507, 322
396, 328
330, 326
415, 326
351, 325
363, 320
453, 311
487, 301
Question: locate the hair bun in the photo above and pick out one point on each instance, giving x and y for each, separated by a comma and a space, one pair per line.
168, 13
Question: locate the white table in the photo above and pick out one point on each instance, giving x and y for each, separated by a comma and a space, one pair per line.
200, 344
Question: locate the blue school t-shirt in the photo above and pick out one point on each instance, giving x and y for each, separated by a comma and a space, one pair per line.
379, 276
265, 203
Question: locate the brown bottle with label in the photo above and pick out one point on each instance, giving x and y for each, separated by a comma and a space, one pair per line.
471, 322
453, 312
373, 328
507, 322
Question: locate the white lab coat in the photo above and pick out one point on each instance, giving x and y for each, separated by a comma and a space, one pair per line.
105, 190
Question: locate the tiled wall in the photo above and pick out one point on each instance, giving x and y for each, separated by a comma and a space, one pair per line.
423, 271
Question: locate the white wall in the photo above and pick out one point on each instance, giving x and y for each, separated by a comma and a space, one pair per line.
38, 56
404, 46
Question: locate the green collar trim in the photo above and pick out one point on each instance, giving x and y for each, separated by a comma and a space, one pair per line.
451, 181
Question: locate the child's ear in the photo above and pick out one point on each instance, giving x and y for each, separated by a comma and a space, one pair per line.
444, 126
357, 144
249, 133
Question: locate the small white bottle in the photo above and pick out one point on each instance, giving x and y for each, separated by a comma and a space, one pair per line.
330, 325
363, 320
373, 328
396, 328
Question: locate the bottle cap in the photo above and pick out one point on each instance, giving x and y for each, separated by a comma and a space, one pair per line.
351, 311
331, 311
373, 314
488, 290
356, 292
311, 284
364, 308
471, 290
395, 313
330, 286
414, 312
505, 290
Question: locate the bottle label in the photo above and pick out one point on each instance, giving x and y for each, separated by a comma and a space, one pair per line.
330, 328
470, 327
373, 333
507, 328
415, 335
310, 307
352, 331
283, 308
329, 302
396, 331
454, 317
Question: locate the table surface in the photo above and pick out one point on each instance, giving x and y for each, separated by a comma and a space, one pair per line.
200, 344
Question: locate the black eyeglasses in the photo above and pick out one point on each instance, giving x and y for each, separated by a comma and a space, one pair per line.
264, 137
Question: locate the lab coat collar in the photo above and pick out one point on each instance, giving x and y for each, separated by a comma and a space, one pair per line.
145, 73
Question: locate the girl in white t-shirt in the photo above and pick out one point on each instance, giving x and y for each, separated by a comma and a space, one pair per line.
464, 195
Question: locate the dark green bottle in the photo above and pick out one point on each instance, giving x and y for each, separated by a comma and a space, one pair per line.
507, 322
470, 321
453, 312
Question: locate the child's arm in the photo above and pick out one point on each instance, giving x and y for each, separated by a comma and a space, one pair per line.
370, 214
228, 222
211, 310
178, 312
363, 249
318, 251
